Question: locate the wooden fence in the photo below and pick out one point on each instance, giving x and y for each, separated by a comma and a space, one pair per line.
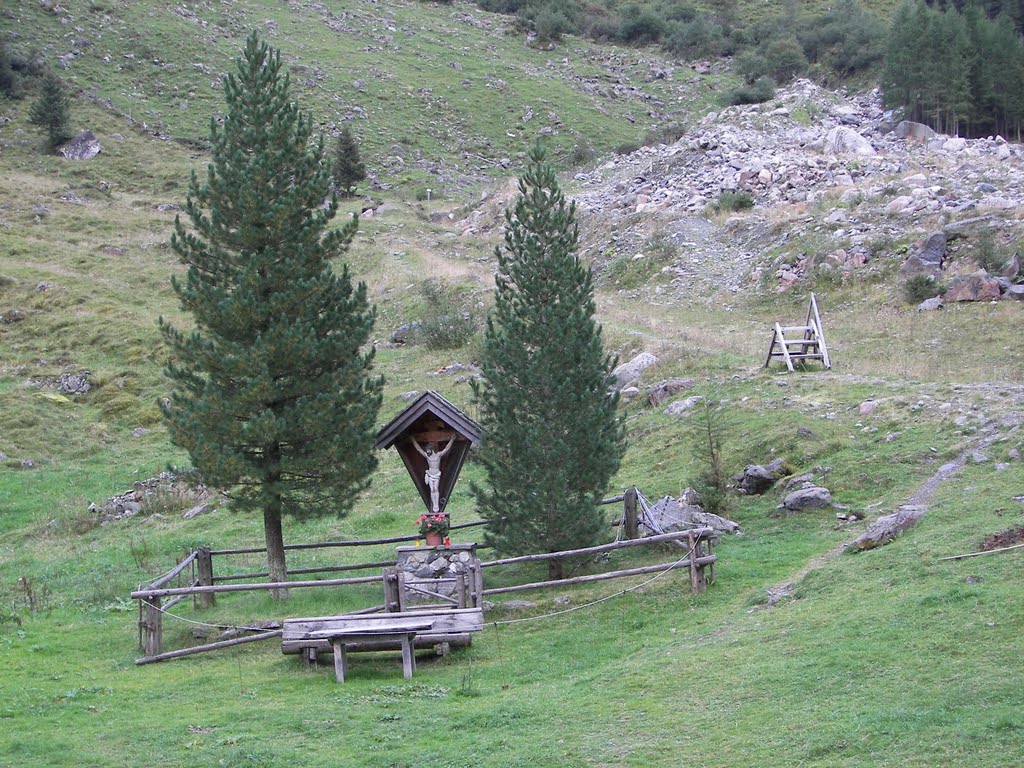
196, 577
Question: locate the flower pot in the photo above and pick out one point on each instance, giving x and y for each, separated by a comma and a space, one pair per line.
434, 539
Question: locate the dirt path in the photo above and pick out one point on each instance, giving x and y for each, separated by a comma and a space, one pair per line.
918, 502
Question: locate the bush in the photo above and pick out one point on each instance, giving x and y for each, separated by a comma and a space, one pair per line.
641, 26
734, 201
448, 322
10, 78
918, 288
551, 24
699, 37
988, 253
785, 59
763, 89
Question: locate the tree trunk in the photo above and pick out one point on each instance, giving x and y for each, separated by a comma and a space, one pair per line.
275, 546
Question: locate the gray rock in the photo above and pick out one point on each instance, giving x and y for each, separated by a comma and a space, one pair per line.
630, 371
914, 131
928, 260
978, 457
814, 497
1011, 269
886, 528
867, 407
409, 333
196, 511
1014, 292
663, 390
929, 305
841, 140
757, 479
680, 407
667, 515
84, 146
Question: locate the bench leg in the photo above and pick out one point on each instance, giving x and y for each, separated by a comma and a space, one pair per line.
340, 661
309, 658
408, 656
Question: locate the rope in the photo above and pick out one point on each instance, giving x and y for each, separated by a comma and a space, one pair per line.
600, 600
200, 623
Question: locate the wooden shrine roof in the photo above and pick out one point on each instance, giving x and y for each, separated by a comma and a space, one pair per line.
428, 402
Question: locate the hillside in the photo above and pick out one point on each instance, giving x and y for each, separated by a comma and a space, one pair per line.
798, 654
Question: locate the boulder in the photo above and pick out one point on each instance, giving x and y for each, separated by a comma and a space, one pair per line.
1011, 269
885, 529
814, 497
841, 140
663, 390
409, 333
976, 287
631, 370
928, 259
929, 305
1014, 292
667, 515
680, 407
913, 131
84, 146
196, 511
867, 407
757, 479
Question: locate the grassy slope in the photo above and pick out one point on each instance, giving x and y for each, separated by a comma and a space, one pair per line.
888, 658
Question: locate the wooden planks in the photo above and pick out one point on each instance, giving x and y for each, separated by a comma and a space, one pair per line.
804, 342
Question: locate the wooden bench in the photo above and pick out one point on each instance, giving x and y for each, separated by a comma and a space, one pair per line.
376, 632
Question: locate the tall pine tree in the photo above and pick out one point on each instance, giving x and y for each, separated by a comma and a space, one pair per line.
348, 165
272, 393
552, 438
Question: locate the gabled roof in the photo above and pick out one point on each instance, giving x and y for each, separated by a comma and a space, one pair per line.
428, 402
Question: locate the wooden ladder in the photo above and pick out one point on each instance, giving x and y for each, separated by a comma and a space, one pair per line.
804, 342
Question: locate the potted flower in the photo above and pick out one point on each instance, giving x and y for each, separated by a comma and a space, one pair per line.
434, 528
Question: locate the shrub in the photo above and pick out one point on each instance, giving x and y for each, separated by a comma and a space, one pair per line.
700, 37
918, 288
763, 89
448, 322
988, 253
734, 201
641, 26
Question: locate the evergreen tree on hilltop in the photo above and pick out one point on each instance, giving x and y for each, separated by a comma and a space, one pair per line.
272, 394
552, 440
348, 166
51, 111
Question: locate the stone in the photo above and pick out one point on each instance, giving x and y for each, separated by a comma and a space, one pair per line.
629, 392
976, 287
140, 432
631, 370
680, 407
84, 146
198, 510
757, 479
814, 497
978, 457
667, 515
954, 145
1011, 269
663, 390
867, 407
409, 333
928, 259
929, 305
1014, 292
908, 129
842, 140
886, 528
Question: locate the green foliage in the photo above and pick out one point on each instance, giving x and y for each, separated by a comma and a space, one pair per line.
761, 90
917, 288
846, 39
989, 254
696, 38
348, 169
552, 439
960, 72
10, 78
271, 392
641, 25
707, 429
51, 111
448, 320
729, 200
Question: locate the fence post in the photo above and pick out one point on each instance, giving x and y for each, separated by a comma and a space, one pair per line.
204, 561
153, 626
697, 582
629, 506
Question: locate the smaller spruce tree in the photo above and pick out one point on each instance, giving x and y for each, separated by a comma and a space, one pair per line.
348, 166
51, 111
552, 438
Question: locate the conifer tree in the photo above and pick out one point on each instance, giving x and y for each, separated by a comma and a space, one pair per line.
552, 440
51, 111
348, 166
272, 393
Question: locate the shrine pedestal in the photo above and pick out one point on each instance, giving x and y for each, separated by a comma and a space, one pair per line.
440, 575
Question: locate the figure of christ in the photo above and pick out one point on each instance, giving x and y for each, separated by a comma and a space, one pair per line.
432, 476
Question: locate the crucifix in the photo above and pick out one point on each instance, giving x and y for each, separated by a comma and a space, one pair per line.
432, 477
